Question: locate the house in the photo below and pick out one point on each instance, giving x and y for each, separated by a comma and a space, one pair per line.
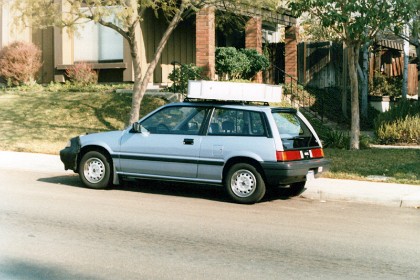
193, 41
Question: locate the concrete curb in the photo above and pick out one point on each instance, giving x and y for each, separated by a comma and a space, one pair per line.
399, 195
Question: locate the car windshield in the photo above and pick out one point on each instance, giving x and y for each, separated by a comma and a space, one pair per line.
293, 131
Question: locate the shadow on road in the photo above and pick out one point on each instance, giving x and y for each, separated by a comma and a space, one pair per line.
24, 269
201, 191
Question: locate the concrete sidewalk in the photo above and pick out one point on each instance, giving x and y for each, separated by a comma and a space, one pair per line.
322, 189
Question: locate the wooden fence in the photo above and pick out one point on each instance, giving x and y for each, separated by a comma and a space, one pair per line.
320, 65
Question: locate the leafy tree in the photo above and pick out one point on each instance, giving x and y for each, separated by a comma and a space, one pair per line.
356, 22
123, 16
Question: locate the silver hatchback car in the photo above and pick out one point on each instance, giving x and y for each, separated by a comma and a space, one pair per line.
246, 148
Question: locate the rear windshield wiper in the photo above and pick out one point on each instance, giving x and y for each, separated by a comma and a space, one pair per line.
297, 138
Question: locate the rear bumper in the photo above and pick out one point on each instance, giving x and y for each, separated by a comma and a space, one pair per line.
69, 155
285, 173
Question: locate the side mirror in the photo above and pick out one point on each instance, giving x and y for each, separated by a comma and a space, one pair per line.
136, 128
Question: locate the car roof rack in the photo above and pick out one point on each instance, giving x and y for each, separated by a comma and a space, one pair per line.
232, 92
226, 102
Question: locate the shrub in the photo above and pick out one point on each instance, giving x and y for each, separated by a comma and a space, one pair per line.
82, 74
230, 63
19, 62
406, 130
385, 86
239, 64
401, 124
336, 139
257, 63
181, 75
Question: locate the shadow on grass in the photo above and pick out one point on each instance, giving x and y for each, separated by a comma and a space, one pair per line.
189, 190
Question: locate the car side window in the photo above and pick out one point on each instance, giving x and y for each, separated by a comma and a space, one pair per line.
176, 120
236, 122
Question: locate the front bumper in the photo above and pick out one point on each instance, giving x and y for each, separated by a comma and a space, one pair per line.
286, 173
69, 155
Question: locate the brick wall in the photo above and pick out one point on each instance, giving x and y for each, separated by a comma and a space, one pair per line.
206, 41
291, 52
253, 39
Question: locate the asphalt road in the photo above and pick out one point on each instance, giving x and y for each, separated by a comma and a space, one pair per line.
53, 228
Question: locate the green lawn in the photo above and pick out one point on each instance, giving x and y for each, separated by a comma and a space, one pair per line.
400, 165
42, 122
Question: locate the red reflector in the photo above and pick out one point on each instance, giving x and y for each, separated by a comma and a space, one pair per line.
317, 153
288, 155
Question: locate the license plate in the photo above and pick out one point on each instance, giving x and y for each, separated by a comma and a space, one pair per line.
310, 175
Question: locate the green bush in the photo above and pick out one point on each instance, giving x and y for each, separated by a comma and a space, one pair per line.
181, 75
230, 63
385, 86
336, 139
401, 124
341, 139
239, 64
257, 63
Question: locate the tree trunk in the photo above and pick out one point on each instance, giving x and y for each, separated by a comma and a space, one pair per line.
364, 85
417, 39
136, 97
406, 55
353, 60
140, 83
344, 81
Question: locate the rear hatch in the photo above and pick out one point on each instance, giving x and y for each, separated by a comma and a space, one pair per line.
298, 140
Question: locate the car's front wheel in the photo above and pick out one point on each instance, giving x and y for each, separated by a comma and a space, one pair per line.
244, 183
95, 170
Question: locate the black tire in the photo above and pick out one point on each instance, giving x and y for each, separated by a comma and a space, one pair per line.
297, 188
244, 183
95, 170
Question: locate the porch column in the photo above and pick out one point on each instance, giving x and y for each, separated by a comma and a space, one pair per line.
253, 40
206, 41
291, 53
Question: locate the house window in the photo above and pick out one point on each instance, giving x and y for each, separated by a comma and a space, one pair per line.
94, 42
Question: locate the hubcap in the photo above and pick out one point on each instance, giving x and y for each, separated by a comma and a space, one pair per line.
94, 170
243, 183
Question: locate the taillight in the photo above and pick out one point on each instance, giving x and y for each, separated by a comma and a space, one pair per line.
317, 153
298, 154
288, 155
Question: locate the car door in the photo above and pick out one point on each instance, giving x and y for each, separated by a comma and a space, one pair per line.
167, 146
232, 133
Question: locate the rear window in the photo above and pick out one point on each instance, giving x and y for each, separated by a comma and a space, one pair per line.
235, 122
293, 131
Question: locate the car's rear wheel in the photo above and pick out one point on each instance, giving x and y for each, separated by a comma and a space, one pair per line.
95, 170
244, 183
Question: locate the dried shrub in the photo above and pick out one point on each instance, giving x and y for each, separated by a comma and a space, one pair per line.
82, 74
19, 63
401, 124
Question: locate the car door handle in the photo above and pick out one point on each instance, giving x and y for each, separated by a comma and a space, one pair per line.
188, 141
